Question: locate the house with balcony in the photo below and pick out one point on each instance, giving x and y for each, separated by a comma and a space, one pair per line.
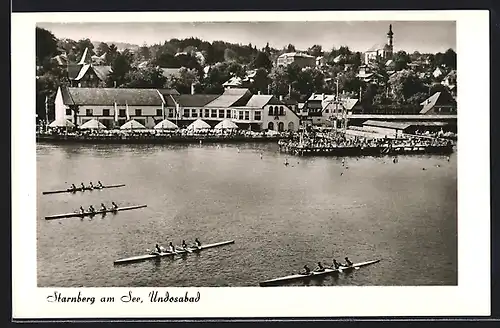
265, 112
324, 109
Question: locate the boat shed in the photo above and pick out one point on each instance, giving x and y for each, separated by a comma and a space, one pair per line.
390, 129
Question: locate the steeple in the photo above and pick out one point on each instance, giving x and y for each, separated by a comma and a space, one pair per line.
389, 36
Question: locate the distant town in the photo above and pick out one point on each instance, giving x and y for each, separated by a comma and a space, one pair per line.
190, 79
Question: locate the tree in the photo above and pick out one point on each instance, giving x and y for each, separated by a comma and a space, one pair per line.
111, 54
450, 59
149, 77
261, 61
230, 55
267, 50
217, 75
119, 70
85, 43
144, 53
349, 82
315, 50
401, 60
405, 85
260, 81
168, 60
183, 82
102, 48
290, 48
46, 44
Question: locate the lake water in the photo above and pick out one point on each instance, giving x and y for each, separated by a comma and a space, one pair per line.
280, 217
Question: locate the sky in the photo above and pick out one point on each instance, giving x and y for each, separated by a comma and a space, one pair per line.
410, 36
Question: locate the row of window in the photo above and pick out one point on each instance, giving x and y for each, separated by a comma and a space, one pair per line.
276, 111
203, 113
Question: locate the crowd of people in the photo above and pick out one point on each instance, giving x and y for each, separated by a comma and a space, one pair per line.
311, 139
105, 134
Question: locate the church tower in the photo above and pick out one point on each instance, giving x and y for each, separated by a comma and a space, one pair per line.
389, 41
390, 36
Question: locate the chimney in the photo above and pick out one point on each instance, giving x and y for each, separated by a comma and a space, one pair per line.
258, 92
192, 88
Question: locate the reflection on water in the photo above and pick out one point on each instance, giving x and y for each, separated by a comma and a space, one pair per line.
281, 217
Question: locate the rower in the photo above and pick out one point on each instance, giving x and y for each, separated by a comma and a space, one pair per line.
82, 185
336, 264
158, 249
91, 209
347, 262
99, 184
103, 208
184, 245
91, 186
320, 268
198, 243
82, 211
171, 248
73, 187
114, 205
307, 271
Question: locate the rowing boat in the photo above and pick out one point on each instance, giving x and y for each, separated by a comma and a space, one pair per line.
313, 274
82, 189
75, 214
158, 255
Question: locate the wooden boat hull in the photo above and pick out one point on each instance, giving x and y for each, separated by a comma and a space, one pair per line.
74, 215
81, 189
295, 277
167, 254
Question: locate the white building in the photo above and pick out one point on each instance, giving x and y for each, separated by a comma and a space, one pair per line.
110, 106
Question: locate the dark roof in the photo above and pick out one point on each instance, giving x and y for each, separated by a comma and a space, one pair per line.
231, 97
108, 96
385, 124
196, 100
102, 72
73, 70
165, 92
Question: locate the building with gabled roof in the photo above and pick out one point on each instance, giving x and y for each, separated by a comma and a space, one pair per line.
379, 50
80, 105
231, 97
300, 59
439, 103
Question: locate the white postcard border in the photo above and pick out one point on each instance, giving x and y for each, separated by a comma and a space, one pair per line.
470, 297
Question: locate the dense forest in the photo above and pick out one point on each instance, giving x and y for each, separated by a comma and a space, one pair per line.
207, 65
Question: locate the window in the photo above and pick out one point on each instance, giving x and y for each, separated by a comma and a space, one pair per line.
159, 112
282, 111
194, 113
240, 115
327, 110
247, 115
201, 112
122, 113
89, 112
138, 112
207, 112
270, 126
68, 111
105, 112
228, 113
221, 113
281, 126
271, 111
257, 116
186, 113
214, 113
